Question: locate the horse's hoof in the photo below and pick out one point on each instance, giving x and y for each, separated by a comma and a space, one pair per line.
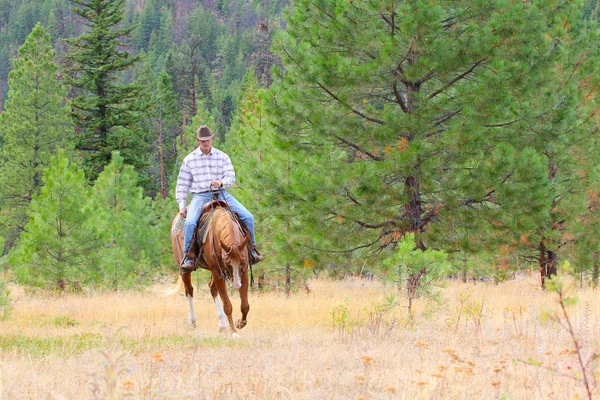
222, 328
235, 335
241, 323
193, 324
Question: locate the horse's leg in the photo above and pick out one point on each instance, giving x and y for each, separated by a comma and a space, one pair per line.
218, 303
245, 305
186, 277
227, 307
236, 281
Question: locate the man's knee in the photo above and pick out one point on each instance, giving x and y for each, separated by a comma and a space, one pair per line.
247, 215
189, 225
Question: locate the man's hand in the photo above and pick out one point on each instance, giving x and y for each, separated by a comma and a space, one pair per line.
183, 212
216, 183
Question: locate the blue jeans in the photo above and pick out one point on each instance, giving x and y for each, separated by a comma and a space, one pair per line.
194, 210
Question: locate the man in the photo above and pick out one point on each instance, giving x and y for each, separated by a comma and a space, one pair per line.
204, 168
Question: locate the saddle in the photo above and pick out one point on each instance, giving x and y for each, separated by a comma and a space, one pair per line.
211, 205
195, 253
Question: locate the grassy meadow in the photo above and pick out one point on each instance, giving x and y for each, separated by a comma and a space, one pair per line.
343, 340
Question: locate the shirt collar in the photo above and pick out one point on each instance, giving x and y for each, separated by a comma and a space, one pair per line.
212, 151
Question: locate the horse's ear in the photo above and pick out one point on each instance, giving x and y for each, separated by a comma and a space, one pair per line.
225, 248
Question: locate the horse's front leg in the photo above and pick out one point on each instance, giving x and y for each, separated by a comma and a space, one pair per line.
219, 304
227, 307
245, 306
186, 277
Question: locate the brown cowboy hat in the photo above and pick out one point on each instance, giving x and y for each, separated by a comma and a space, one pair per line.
204, 133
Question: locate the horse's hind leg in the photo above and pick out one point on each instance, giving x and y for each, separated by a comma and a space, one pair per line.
186, 277
245, 305
219, 304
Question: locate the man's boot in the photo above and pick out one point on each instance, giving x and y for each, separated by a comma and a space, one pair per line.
187, 265
255, 256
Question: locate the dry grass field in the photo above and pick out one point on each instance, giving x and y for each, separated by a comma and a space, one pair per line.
341, 341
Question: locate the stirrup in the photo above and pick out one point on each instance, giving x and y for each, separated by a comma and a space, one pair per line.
187, 266
256, 256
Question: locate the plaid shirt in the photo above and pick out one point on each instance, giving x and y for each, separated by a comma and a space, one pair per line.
198, 170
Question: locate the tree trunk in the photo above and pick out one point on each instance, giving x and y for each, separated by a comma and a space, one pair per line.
261, 281
595, 269
288, 279
413, 212
161, 161
194, 97
183, 125
547, 263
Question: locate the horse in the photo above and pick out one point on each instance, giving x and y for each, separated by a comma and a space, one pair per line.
225, 255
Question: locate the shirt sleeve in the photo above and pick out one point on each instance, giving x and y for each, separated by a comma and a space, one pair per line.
228, 173
184, 183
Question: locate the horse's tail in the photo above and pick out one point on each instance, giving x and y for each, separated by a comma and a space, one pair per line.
178, 289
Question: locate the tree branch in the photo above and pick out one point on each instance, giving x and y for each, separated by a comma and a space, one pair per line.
377, 121
459, 77
356, 147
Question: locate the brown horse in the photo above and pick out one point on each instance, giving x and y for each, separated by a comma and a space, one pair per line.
225, 255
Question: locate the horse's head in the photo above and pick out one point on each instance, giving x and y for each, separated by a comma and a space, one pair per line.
235, 256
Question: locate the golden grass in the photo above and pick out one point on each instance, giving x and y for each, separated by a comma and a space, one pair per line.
481, 341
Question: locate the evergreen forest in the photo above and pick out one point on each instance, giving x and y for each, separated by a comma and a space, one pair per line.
399, 140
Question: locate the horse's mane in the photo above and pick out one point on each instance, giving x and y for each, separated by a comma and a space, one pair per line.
226, 227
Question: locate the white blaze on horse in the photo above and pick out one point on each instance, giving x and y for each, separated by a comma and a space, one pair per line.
225, 255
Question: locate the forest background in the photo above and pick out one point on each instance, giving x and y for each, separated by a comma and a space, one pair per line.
401, 140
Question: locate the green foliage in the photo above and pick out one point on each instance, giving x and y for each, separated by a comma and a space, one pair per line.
126, 219
426, 117
260, 171
4, 278
64, 346
104, 110
188, 142
408, 261
34, 125
149, 23
386, 118
162, 122
164, 211
192, 61
58, 246
374, 321
65, 322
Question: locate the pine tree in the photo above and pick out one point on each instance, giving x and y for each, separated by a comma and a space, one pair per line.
125, 217
27, 16
34, 125
263, 39
260, 173
58, 246
165, 34
233, 60
163, 120
104, 110
588, 8
586, 246
419, 116
53, 27
565, 138
149, 22
193, 60
5, 10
